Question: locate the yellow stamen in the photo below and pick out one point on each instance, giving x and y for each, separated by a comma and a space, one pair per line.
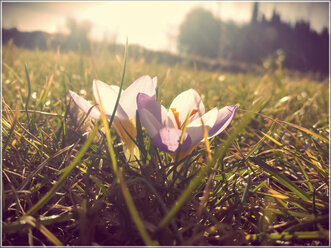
176, 115
193, 112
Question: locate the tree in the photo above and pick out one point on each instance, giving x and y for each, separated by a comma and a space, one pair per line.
255, 12
199, 34
78, 35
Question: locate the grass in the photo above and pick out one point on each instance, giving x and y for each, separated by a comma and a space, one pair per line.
265, 183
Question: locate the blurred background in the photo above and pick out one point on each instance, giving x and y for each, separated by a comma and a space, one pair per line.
215, 35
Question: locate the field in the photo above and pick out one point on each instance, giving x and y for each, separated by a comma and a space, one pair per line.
263, 181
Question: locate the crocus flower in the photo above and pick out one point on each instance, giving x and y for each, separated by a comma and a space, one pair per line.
125, 116
165, 126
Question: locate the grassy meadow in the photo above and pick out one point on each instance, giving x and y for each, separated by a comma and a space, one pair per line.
265, 183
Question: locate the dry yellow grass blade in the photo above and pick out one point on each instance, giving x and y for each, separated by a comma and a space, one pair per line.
34, 223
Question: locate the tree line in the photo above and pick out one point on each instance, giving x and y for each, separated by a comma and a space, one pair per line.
76, 38
301, 47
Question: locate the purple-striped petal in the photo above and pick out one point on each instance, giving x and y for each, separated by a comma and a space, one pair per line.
167, 139
85, 105
224, 117
156, 109
148, 120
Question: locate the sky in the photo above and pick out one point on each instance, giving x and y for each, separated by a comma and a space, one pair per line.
151, 24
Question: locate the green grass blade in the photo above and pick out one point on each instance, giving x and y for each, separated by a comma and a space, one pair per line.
98, 182
29, 93
307, 131
281, 178
181, 139
13, 71
11, 131
258, 144
40, 166
290, 236
122, 82
305, 174
17, 226
65, 174
295, 153
45, 91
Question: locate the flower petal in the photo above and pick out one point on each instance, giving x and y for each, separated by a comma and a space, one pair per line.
85, 105
185, 103
224, 117
144, 84
154, 82
167, 139
116, 89
195, 128
108, 95
156, 109
148, 120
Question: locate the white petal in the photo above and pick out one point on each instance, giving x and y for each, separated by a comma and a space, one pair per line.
144, 84
85, 105
116, 89
155, 82
195, 129
224, 117
108, 95
185, 103
151, 124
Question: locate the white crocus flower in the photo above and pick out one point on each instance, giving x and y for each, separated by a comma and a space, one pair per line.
165, 126
125, 116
